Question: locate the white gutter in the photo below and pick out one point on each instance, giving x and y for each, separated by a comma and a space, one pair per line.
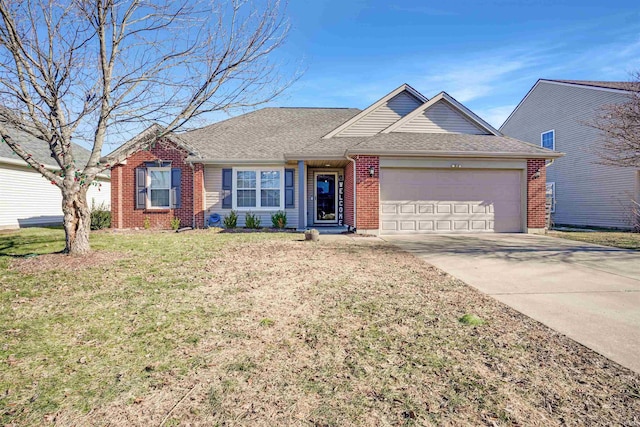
468, 154
236, 161
15, 162
355, 223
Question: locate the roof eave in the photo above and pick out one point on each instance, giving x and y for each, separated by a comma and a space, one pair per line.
22, 163
479, 154
236, 161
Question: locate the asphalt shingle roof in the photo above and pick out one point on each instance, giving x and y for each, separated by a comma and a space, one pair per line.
272, 133
38, 148
602, 84
267, 133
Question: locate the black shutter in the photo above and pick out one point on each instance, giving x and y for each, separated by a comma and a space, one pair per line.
227, 178
141, 188
176, 183
289, 196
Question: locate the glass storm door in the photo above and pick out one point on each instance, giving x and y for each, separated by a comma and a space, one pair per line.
326, 197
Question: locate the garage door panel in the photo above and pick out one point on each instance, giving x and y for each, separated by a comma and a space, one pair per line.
445, 201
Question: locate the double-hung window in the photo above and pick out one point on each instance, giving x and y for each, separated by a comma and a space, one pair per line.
548, 139
159, 188
258, 189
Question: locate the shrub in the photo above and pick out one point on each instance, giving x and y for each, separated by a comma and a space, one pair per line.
100, 217
279, 219
231, 220
251, 220
175, 223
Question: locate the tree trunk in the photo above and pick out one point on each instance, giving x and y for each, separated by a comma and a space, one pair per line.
77, 220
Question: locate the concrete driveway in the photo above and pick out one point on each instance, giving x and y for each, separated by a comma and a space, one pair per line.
588, 292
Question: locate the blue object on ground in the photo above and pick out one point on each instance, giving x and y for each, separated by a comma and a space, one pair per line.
214, 219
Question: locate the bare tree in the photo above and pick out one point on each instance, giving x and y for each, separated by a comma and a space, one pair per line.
83, 70
620, 127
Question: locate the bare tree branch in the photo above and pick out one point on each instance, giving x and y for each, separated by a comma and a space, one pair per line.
620, 128
81, 70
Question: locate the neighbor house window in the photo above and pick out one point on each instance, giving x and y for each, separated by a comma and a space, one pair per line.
551, 195
159, 187
258, 189
548, 140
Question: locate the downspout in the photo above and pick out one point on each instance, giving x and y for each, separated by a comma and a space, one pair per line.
355, 223
193, 192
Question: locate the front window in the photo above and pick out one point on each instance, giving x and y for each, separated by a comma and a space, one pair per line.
548, 140
160, 187
258, 189
246, 189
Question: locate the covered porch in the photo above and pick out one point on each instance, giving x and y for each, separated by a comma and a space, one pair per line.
325, 186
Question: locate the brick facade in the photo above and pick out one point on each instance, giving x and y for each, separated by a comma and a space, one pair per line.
536, 193
367, 193
123, 187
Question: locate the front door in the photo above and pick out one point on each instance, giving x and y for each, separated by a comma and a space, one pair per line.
326, 197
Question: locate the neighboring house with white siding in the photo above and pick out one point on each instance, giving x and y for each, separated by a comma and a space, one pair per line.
556, 114
29, 199
404, 165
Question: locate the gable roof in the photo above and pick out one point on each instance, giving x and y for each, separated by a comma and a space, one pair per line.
375, 106
146, 137
619, 87
443, 96
277, 135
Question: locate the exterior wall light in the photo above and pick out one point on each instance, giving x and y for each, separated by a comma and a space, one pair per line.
372, 171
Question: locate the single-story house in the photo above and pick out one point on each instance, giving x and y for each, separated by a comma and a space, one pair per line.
405, 164
583, 192
29, 199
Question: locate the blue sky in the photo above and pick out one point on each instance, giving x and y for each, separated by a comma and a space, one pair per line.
486, 54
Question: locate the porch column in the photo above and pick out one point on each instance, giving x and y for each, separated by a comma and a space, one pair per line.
302, 212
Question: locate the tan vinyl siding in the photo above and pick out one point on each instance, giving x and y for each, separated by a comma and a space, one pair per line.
441, 118
587, 193
213, 197
28, 199
383, 116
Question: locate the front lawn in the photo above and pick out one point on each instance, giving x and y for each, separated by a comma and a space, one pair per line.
617, 239
267, 329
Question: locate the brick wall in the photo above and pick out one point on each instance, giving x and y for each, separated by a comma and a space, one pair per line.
348, 194
536, 197
367, 192
123, 184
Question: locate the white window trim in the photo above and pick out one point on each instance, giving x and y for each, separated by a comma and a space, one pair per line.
257, 170
553, 133
553, 196
148, 186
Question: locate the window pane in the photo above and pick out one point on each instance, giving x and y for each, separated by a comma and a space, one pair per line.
246, 179
159, 198
160, 179
270, 179
547, 140
270, 198
246, 198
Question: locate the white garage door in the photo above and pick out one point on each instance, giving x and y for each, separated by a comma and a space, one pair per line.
449, 201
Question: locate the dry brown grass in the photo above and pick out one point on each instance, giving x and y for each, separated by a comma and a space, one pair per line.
256, 329
617, 239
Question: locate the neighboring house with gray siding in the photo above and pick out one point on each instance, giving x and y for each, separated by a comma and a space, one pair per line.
404, 165
556, 114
